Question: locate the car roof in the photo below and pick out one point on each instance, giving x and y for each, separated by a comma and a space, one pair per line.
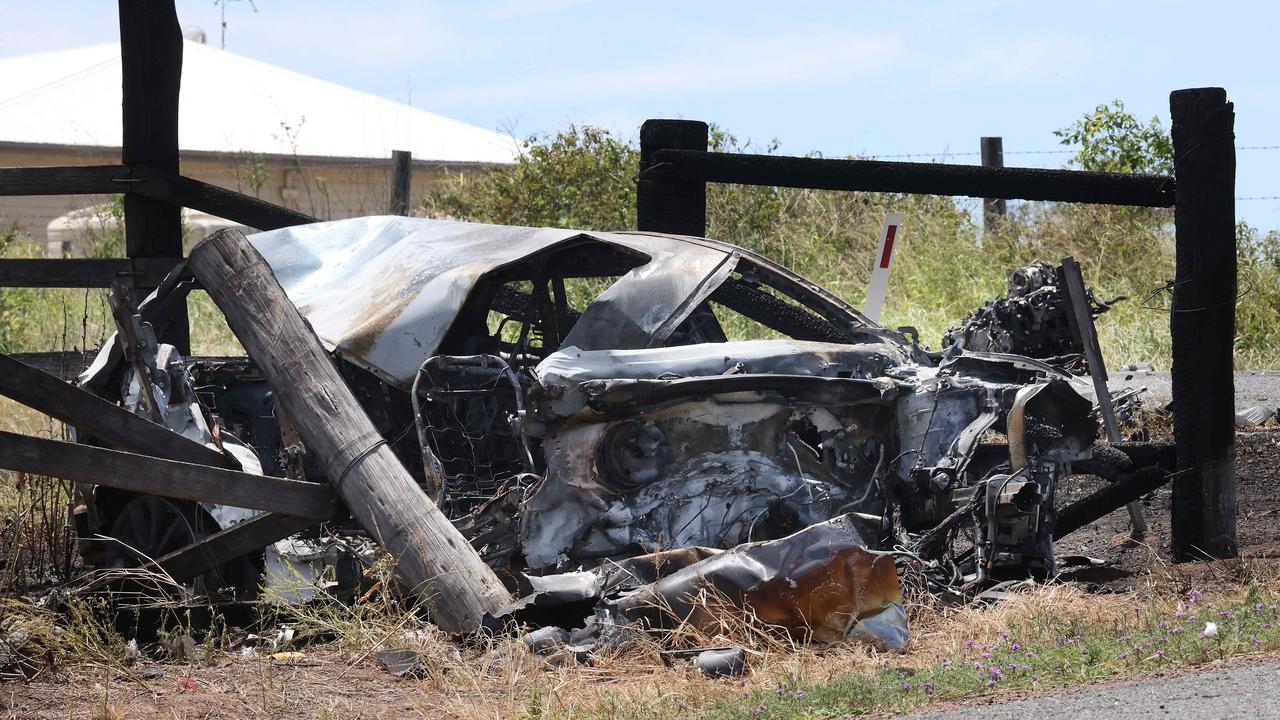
383, 291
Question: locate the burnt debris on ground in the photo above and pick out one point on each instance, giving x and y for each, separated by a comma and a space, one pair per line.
559, 430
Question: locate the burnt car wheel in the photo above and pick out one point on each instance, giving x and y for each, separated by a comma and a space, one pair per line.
149, 527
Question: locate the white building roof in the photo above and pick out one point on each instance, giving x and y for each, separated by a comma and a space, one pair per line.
229, 103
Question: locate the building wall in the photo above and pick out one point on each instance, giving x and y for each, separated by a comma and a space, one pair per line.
326, 188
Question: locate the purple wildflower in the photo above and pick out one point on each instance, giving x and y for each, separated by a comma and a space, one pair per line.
906, 686
1194, 596
997, 673
991, 683
929, 688
986, 656
1015, 646
801, 694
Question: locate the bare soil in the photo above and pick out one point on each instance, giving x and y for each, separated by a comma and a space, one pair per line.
1128, 563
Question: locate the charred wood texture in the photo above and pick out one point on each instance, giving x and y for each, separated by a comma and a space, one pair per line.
73, 180
85, 272
401, 181
671, 202
167, 478
151, 64
225, 545
250, 211
97, 417
993, 210
683, 167
62, 364
1126, 490
433, 559
1202, 325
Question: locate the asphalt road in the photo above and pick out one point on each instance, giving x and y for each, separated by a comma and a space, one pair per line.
1253, 387
1242, 691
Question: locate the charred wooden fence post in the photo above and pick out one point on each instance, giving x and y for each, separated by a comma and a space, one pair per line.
993, 209
1202, 324
432, 557
151, 63
401, 181
665, 200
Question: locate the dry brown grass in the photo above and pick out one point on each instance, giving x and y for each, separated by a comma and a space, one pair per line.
496, 678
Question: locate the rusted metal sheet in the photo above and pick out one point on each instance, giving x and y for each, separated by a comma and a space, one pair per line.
821, 583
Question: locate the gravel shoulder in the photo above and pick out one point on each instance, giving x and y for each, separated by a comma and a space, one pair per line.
1253, 387
1231, 691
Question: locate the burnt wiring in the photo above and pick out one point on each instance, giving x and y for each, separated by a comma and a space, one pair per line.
1169, 286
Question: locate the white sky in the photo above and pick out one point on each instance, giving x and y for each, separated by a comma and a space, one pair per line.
879, 78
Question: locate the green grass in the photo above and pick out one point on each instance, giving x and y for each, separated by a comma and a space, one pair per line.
1156, 637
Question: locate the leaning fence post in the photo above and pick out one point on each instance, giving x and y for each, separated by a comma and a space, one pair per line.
432, 557
666, 202
1202, 324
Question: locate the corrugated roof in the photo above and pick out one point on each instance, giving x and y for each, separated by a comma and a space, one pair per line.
229, 103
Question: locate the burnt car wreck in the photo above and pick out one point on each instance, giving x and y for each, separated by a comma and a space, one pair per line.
583, 409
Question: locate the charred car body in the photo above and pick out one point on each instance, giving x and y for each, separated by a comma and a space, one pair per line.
574, 398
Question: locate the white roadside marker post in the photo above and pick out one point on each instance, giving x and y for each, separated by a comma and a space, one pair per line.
880, 269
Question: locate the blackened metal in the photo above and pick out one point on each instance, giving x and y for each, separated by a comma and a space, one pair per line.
630, 395
776, 314
1034, 319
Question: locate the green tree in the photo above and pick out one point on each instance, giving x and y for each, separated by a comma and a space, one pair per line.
1111, 139
582, 177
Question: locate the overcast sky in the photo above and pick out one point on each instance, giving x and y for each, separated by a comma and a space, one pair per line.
877, 78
